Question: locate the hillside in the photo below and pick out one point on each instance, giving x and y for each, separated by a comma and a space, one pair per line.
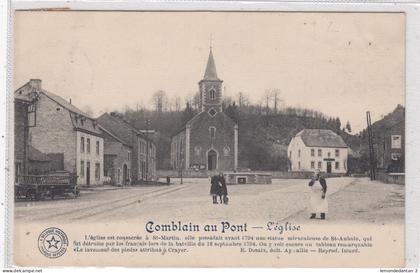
263, 138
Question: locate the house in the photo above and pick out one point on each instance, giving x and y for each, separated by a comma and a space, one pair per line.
117, 159
390, 133
58, 127
23, 120
209, 141
319, 149
142, 165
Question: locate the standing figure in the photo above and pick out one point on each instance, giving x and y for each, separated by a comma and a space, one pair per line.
215, 188
223, 189
318, 201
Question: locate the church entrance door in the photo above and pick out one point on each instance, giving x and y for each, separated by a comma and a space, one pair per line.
211, 160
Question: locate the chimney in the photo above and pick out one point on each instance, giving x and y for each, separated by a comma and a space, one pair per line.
35, 83
70, 101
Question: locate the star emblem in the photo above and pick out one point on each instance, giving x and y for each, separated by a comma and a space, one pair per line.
53, 242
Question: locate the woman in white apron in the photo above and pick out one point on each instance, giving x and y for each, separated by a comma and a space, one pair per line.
318, 201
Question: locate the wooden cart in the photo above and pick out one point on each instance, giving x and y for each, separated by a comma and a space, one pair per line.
37, 187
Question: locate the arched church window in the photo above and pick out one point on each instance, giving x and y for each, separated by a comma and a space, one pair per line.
212, 94
212, 132
226, 151
197, 150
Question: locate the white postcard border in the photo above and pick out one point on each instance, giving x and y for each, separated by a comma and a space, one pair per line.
411, 9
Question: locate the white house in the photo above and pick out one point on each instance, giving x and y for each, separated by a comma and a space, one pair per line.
319, 149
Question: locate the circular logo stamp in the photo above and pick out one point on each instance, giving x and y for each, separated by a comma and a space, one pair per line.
52, 242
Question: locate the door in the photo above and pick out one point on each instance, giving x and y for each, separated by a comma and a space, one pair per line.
211, 160
88, 173
328, 167
125, 174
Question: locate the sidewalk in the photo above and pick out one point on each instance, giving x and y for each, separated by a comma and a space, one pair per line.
101, 188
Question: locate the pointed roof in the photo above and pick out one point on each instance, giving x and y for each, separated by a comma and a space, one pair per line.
211, 74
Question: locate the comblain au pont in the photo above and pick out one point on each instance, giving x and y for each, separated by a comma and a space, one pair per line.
190, 227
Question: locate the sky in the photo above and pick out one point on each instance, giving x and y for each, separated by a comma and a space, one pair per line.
342, 64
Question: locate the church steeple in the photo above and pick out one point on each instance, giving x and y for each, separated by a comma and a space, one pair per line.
211, 87
211, 74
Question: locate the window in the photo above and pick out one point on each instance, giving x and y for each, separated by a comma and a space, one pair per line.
128, 156
329, 154
299, 165
212, 112
298, 153
337, 165
395, 156
97, 147
212, 132
226, 151
197, 150
337, 153
319, 152
97, 171
212, 94
396, 142
88, 145
319, 165
312, 164
82, 168
312, 152
82, 144
18, 169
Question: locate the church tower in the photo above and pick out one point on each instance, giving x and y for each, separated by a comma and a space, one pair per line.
209, 141
211, 88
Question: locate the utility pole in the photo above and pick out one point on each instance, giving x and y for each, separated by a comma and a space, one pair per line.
372, 161
181, 161
147, 149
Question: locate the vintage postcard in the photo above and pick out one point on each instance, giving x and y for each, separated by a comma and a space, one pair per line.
211, 139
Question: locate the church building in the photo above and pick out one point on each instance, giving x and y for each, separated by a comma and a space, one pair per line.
209, 141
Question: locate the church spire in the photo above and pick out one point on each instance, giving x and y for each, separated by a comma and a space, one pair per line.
211, 74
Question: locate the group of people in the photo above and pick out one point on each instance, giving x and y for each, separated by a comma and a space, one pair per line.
218, 189
318, 203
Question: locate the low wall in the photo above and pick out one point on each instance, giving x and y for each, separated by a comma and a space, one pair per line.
274, 174
248, 178
391, 178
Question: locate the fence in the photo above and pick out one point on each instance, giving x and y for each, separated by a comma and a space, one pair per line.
391, 178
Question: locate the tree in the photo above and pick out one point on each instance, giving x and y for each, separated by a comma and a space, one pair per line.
242, 100
275, 93
187, 114
348, 127
232, 112
196, 101
159, 100
177, 103
267, 99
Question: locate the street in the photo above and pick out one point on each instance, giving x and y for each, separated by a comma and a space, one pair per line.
350, 199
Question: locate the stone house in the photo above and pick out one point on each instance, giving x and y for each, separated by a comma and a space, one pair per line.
143, 149
117, 159
391, 147
23, 108
61, 128
209, 141
321, 149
